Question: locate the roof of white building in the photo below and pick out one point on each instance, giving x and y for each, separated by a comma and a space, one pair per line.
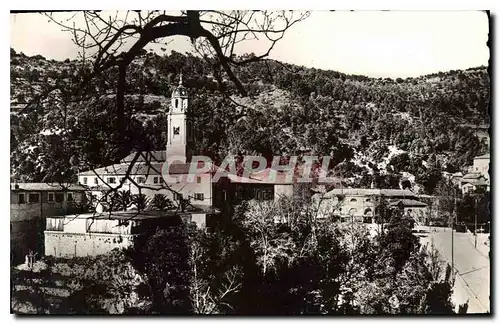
409, 203
484, 156
474, 182
369, 192
40, 186
141, 168
473, 176
140, 215
152, 156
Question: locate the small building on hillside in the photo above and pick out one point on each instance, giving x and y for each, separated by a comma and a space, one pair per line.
31, 204
482, 165
91, 234
474, 181
360, 205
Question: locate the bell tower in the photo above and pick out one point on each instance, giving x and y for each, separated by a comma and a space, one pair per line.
179, 136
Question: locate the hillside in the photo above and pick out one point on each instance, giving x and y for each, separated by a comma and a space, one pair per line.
435, 121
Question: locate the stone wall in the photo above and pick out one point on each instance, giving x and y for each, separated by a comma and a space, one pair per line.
68, 245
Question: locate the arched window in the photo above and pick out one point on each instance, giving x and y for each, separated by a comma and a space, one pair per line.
368, 212
353, 200
352, 211
176, 103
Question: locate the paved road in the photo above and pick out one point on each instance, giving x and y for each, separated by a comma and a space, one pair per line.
472, 266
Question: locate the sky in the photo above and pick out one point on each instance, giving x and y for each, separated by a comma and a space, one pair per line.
373, 43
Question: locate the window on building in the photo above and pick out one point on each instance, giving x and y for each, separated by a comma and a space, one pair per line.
155, 180
268, 194
21, 198
240, 194
198, 196
96, 180
50, 197
70, 196
198, 179
111, 180
85, 180
141, 180
59, 197
34, 197
353, 200
368, 200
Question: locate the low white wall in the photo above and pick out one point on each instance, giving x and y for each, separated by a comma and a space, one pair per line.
68, 245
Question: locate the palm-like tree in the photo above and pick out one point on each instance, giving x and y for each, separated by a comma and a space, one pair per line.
123, 199
141, 201
161, 202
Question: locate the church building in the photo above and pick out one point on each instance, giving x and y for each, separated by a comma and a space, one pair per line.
145, 174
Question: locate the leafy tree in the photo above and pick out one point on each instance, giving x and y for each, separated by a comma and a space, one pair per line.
398, 241
164, 261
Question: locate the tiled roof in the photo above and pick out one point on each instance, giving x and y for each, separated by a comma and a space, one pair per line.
369, 192
140, 168
475, 182
40, 186
152, 156
409, 203
121, 169
473, 175
266, 176
136, 215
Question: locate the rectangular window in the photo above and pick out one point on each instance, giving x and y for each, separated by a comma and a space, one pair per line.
59, 197
70, 196
96, 181
198, 196
155, 179
34, 198
84, 180
141, 180
111, 180
51, 197
198, 179
21, 199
